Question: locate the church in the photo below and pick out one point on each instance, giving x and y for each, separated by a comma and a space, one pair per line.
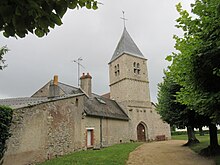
59, 119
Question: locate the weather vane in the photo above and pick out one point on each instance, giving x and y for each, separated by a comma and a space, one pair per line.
124, 19
79, 64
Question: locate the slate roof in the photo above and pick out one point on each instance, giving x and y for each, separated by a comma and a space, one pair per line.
21, 102
102, 107
68, 89
126, 45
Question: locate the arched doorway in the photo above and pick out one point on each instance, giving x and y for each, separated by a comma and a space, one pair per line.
141, 133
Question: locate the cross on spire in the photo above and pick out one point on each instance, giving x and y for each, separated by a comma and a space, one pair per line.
124, 19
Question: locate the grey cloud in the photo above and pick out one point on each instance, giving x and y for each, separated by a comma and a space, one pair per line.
92, 35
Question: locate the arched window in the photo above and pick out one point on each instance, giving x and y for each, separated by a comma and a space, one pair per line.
136, 68
134, 65
118, 69
115, 70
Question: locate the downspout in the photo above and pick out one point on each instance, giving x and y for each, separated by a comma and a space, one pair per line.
101, 132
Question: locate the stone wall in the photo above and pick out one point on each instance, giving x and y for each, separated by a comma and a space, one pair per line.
94, 124
160, 127
45, 131
113, 131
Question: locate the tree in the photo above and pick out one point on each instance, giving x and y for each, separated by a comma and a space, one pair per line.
196, 67
5, 122
175, 113
18, 17
3, 50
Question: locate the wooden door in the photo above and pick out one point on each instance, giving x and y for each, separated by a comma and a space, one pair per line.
141, 134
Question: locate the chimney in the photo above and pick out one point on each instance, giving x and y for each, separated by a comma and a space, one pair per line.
54, 90
86, 83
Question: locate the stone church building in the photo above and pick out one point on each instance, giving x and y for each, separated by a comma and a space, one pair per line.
59, 118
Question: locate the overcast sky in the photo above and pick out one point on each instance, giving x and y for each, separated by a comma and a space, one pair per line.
92, 35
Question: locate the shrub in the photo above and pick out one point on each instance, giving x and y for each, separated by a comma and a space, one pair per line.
5, 122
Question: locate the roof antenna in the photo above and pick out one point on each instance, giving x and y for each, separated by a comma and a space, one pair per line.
79, 64
124, 19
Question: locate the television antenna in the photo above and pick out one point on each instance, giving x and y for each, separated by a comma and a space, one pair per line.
77, 61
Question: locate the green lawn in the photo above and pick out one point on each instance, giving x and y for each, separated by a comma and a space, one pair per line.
204, 142
114, 155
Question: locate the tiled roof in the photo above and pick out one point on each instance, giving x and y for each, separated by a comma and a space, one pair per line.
102, 107
126, 45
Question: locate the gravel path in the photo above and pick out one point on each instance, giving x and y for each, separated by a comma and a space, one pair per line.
166, 153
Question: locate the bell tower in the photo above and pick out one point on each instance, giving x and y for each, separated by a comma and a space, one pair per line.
128, 73
129, 87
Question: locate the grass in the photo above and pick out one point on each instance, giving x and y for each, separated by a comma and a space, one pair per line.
204, 142
113, 155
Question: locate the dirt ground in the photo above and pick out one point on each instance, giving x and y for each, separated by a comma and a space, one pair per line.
166, 153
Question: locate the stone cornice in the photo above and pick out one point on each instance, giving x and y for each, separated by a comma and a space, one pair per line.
144, 81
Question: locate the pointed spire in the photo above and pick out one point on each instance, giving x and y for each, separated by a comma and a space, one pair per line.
126, 45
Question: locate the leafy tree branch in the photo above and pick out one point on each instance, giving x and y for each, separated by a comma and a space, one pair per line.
18, 17
3, 51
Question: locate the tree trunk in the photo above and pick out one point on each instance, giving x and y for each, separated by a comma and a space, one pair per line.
191, 136
201, 133
213, 136
213, 148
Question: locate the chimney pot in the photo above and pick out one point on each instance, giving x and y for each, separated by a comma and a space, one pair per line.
83, 76
88, 76
55, 80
